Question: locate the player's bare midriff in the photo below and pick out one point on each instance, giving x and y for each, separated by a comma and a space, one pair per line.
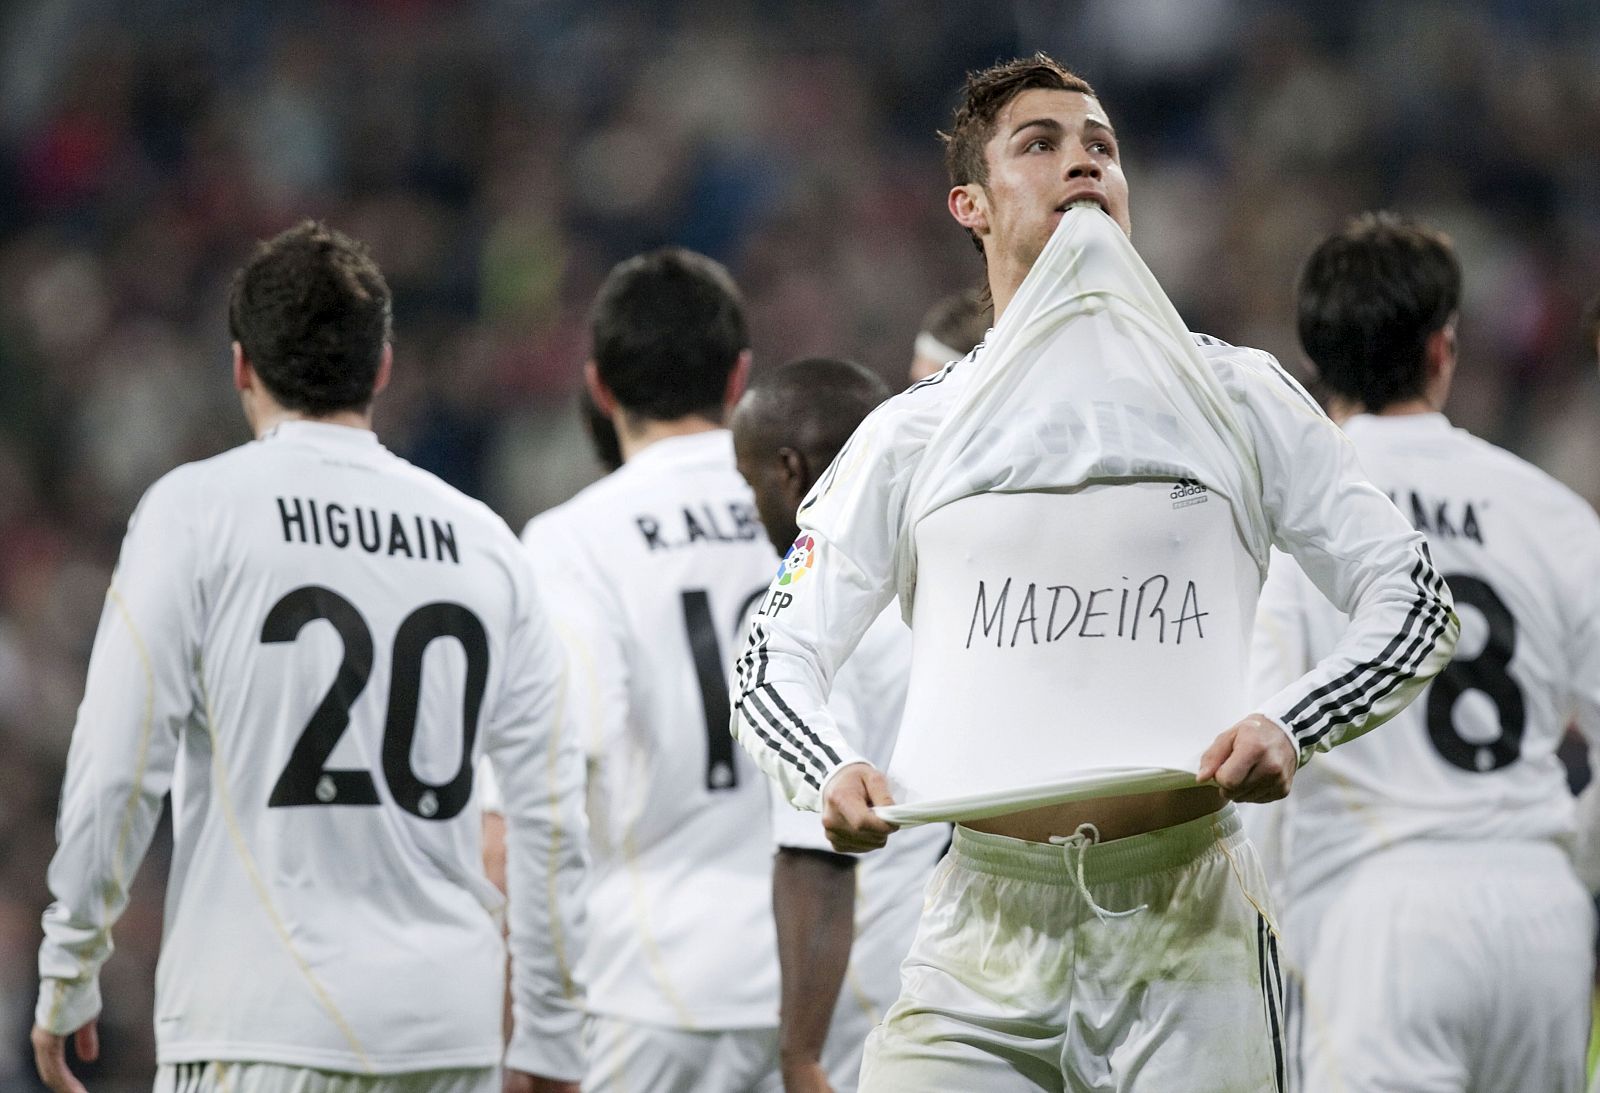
1113, 817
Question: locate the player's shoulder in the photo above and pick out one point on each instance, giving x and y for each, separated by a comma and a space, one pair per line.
443, 497
1522, 480
912, 415
197, 485
1250, 375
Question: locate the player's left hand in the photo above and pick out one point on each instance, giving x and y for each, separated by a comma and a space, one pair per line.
50, 1056
518, 1081
1254, 761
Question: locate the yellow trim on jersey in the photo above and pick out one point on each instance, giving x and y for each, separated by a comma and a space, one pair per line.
557, 941
652, 953
630, 853
225, 799
118, 883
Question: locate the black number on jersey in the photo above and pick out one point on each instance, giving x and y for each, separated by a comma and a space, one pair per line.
306, 780
711, 671
1488, 672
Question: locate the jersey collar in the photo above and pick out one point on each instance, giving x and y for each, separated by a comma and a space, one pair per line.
693, 448
322, 433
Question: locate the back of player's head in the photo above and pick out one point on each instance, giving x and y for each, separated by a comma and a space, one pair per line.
985, 95
311, 313
811, 405
1369, 298
668, 328
950, 329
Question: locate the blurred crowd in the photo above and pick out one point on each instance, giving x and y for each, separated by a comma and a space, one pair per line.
500, 155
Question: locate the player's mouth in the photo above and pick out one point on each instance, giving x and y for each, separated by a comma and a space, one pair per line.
1086, 199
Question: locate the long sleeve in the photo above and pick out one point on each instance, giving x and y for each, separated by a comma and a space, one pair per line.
832, 584
1585, 676
538, 763
1362, 555
140, 693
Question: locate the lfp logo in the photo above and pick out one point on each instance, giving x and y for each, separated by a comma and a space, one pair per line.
798, 561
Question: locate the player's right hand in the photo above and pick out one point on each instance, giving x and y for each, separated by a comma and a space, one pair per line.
50, 1056
517, 1081
847, 816
807, 1077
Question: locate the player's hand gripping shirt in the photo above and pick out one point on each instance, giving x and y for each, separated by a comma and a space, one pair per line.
1088, 397
1474, 758
648, 573
308, 641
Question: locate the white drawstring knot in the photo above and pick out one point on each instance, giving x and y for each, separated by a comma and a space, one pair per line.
1086, 836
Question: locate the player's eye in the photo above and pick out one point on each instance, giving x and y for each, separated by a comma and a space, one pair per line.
1040, 144
1103, 148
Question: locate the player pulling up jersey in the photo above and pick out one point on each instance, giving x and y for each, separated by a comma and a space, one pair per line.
309, 641
1444, 938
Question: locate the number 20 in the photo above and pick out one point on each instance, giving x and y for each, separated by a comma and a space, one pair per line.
306, 780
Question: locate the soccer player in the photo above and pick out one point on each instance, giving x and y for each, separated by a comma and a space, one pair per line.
1081, 624
786, 430
1444, 939
308, 641
649, 571
950, 330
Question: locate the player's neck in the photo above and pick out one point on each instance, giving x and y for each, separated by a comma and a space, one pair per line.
1003, 285
634, 435
1410, 406
264, 419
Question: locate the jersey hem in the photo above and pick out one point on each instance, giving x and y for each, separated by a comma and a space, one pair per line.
339, 1061
711, 1021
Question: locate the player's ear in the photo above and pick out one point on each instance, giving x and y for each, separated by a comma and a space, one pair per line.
1440, 359
243, 375
795, 475
969, 204
737, 379
385, 369
604, 400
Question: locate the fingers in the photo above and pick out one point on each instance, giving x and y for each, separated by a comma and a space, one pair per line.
50, 1057
86, 1041
1252, 762
878, 790
847, 816
1214, 757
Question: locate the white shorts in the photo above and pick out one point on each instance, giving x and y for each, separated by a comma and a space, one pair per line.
218, 1077
632, 1057
1014, 983
1439, 966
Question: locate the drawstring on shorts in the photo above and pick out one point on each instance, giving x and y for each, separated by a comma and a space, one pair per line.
1086, 836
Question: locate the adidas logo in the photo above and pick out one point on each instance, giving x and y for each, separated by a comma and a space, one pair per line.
1189, 492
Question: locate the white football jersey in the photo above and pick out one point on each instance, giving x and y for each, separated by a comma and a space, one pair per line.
1474, 757
309, 642
868, 699
648, 572
846, 565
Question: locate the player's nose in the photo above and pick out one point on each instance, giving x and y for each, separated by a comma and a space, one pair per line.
1080, 164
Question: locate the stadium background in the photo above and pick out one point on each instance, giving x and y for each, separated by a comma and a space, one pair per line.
499, 155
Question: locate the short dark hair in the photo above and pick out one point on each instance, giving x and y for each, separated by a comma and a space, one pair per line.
959, 320
312, 314
668, 327
1368, 299
813, 404
986, 93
